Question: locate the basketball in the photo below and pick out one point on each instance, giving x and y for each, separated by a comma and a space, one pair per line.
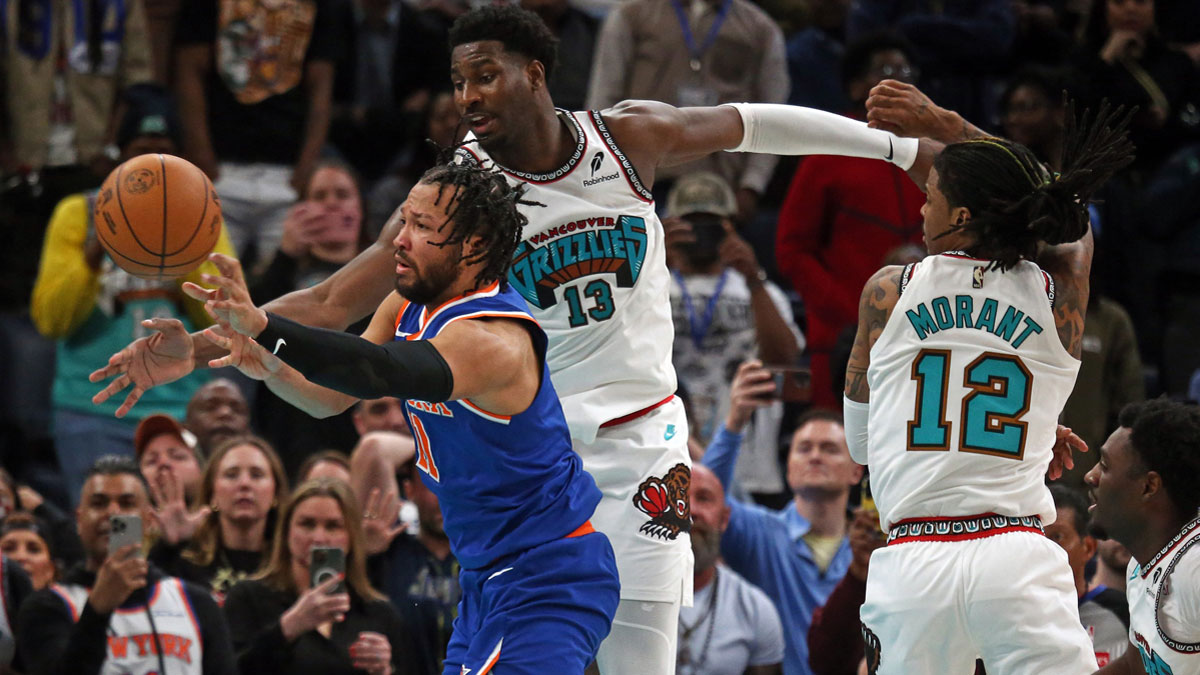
158, 216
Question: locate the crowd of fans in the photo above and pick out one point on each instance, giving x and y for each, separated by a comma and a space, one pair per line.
314, 117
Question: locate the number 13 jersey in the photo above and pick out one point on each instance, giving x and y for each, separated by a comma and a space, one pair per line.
592, 268
967, 382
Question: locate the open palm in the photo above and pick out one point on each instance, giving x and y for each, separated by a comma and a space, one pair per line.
164, 356
244, 353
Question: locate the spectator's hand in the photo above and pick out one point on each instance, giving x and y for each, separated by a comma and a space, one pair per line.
313, 608
174, 521
1122, 44
229, 303
147, 362
747, 203
865, 537
373, 653
249, 357
122, 573
737, 253
904, 110
677, 233
380, 517
1065, 442
30, 498
302, 228
753, 388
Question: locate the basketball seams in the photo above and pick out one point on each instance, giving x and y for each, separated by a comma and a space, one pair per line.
200, 221
128, 225
162, 168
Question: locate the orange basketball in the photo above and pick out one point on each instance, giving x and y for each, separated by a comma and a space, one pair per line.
158, 216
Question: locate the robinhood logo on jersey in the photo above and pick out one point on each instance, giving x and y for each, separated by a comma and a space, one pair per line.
576, 250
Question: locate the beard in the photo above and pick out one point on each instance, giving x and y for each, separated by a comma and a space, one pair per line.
428, 285
706, 547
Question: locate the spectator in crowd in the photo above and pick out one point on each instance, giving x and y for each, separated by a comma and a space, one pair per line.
1045, 31
961, 46
325, 464
285, 623
367, 126
725, 311
380, 414
842, 216
1146, 490
1032, 112
1125, 60
750, 636
24, 539
814, 57
88, 304
228, 538
15, 588
255, 85
797, 555
835, 645
101, 616
422, 66
1112, 559
439, 122
698, 54
1103, 611
160, 443
59, 527
322, 232
217, 412
61, 90
576, 31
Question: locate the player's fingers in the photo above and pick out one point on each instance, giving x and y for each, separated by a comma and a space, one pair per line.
130, 401
112, 389
230, 267
1077, 443
197, 292
225, 283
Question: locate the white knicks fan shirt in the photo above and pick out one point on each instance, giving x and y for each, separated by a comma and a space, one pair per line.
592, 268
967, 382
1164, 606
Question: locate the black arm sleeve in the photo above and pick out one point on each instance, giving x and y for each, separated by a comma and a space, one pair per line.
352, 365
218, 657
51, 644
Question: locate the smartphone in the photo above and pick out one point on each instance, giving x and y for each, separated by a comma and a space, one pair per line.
124, 530
793, 384
325, 562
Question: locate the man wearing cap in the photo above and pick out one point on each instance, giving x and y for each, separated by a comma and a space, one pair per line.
161, 444
91, 306
725, 312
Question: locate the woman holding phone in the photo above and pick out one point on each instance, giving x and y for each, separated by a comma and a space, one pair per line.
284, 622
230, 536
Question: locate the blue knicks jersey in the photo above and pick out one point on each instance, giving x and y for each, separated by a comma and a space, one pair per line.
505, 483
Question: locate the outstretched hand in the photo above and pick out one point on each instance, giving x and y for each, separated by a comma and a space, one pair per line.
175, 522
164, 356
380, 517
244, 353
1065, 443
229, 303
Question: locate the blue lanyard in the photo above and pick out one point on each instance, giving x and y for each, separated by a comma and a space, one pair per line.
690, 40
699, 329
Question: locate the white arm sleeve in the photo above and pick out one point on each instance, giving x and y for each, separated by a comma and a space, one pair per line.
855, 416
777, 129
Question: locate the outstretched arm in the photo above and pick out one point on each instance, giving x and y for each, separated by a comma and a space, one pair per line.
904, 110
653, 133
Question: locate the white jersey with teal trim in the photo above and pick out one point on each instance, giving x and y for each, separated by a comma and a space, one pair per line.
1164, 606
131, 644
967, 382
592, 268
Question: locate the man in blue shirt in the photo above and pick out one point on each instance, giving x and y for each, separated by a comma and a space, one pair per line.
799, 553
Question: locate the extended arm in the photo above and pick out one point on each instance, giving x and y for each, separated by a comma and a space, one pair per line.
904, 110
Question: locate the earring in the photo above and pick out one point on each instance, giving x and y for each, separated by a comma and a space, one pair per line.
214, 508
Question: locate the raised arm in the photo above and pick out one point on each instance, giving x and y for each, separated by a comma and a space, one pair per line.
654, 133
1071, 266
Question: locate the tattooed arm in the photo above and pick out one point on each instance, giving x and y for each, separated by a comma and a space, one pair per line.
904, 110
1071, 266
879, 296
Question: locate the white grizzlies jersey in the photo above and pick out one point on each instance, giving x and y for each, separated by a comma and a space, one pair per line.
131, 645
967, 381
1164, 606
592, 268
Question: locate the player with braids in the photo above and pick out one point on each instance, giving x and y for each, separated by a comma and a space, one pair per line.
959, 376
456, 342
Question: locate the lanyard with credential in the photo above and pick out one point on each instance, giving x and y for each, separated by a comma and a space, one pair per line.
690, 40
699, 329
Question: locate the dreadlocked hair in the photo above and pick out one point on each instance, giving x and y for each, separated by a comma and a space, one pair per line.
483, 205
1015, 202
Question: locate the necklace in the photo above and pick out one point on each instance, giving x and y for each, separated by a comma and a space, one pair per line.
684, 657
